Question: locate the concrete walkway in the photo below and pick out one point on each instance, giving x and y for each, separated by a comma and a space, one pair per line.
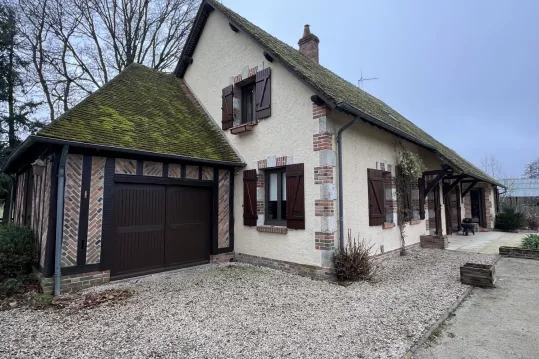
494, 323
484, 242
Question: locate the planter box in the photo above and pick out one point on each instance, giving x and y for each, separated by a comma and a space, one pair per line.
517, 252
479, 275
437, 242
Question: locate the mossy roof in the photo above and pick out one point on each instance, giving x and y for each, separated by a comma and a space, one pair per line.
144, 109
339, 91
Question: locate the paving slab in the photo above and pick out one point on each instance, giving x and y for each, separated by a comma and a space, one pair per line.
494, 323
484, 242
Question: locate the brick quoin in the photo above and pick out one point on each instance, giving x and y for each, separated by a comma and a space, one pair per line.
322, 141
324, 241
323, 174
319, 111
324, 207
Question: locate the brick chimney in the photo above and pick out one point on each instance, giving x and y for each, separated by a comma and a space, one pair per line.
308, 44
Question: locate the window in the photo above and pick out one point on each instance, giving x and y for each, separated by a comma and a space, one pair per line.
248, 103
284, 196
275, 188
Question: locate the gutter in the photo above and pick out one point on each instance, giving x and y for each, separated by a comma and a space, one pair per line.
341, 186
59, 221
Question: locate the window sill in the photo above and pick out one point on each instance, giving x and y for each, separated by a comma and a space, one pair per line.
388, 225
415, 221
272, 229
245, 127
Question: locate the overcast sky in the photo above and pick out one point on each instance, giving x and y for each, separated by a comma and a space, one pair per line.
467, 72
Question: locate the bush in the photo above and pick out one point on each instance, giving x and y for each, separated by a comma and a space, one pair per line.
531, 241
353, 262
533, 222
17, 254
510, 220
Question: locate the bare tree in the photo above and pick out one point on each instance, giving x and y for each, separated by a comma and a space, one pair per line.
76, 46
532, 169
493, 168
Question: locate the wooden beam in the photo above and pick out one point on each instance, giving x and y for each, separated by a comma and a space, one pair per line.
453, 185
434, 182
465, 192
434, 172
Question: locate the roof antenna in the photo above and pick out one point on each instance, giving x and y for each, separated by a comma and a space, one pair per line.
360, 81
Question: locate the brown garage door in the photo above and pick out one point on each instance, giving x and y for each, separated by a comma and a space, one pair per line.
159, 227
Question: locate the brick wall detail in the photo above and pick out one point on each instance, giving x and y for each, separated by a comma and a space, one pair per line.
95, 211
125, 167
150, 168
260, 198
324, 177
324, 207
324, 241
223, 231
73, 178
323, 174
191, 172
322, 141
174, 170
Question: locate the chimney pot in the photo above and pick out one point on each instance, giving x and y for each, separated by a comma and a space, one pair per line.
308, 44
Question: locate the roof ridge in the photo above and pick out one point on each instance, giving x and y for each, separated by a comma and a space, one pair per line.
340, 91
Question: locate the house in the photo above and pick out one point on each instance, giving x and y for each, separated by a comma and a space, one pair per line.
522, 194
250, 149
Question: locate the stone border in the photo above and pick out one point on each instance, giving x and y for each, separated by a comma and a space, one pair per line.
419, 343
517, 252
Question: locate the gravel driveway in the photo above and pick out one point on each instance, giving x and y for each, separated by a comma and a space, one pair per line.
240, 311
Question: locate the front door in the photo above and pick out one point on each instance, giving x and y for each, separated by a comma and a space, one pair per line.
476, 201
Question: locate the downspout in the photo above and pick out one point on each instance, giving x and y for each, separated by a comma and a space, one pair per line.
341, 187
59, 221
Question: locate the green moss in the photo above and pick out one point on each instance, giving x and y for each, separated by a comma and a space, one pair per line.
340, 91
144, 109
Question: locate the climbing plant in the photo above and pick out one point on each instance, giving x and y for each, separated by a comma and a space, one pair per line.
409, 169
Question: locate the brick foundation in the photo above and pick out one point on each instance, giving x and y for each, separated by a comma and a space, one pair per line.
437, 242
74, 282
516, 252
289, 267
394, 253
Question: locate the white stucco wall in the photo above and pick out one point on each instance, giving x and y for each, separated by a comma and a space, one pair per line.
220, 54
363, 146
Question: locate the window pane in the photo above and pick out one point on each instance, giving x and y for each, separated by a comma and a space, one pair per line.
273, 187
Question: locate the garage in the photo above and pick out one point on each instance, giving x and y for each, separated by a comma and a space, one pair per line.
158, 227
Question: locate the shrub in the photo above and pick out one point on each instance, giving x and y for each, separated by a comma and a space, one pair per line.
17, 254
533, 222
510, 220
531, 241
353, 262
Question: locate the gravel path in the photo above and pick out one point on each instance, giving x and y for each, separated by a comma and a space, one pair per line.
240, 311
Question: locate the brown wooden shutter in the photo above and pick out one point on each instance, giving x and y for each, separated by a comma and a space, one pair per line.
263, 93
227, 108
249, 198
295, 196
376, 197
421, 184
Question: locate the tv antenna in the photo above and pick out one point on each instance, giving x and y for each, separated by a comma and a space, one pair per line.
360, 81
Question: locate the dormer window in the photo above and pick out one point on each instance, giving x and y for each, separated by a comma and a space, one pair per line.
246, 102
